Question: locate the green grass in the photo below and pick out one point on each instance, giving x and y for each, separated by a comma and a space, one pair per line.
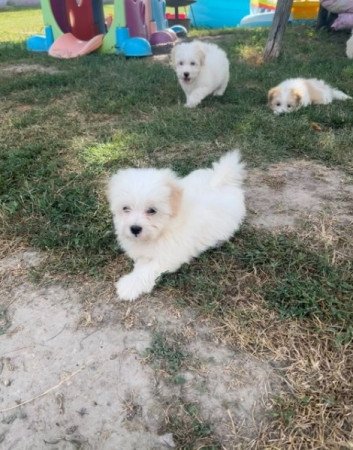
300, 282
166, 354
63, 133
19, 23
183, 419
188, 428
65, 126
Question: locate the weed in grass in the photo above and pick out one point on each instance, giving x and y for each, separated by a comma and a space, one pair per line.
166, 354
179, 379
4, 320
282, 410
189, 430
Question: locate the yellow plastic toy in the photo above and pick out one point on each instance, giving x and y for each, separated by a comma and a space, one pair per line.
305, 10
301, 9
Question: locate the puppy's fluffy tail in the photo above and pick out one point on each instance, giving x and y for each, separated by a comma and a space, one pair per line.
349, 48
339, 95
229, 170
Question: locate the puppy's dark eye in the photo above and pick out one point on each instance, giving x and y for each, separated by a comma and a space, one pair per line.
126, 209
192, 63
278, 104
289, 106
181, 63
151, 211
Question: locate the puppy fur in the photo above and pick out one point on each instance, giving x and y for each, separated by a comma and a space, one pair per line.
349, 47
295, 93
202, 69
162, 221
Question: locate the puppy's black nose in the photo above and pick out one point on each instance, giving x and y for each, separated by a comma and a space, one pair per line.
186, 74
135, 229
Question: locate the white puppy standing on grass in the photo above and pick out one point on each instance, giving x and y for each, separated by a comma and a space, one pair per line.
163, 221
294, 93
202, 69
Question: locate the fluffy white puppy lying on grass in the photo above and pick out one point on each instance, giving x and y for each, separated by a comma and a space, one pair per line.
202, 69
295, 93
163, 221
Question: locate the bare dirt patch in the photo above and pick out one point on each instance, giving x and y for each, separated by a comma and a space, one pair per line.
72, 378
162, 59
287, 193
18, 69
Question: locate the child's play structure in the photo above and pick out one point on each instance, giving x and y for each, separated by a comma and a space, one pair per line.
262, 12
218, 13
78, 27
247, 13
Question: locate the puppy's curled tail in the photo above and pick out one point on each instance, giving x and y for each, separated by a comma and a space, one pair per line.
339, 95
229, 170
349, 48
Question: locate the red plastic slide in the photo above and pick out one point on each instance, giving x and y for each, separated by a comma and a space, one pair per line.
81, 19
85, 23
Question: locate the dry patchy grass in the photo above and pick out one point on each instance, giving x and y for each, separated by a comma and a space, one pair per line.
310, 349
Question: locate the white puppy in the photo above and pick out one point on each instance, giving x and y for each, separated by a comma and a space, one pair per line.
163, 221
202, 69
292, 94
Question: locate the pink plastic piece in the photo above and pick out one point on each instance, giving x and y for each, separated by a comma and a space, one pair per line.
344, 21
67, 46
135, 11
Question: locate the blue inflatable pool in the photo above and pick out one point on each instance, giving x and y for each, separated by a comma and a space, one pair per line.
218, 13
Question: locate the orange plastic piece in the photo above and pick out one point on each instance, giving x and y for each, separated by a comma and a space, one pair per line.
68, 46
305, 10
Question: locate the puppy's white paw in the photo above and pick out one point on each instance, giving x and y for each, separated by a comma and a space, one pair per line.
219, 92
191, 104
128, 288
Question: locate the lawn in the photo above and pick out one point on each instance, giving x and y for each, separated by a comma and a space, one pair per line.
65, 126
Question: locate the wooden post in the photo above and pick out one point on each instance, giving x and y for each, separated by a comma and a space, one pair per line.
275, 37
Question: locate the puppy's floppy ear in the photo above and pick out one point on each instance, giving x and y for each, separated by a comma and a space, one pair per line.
271, 94
175, 198
175, 195
112, 189
297, 96
173, 56
200, 55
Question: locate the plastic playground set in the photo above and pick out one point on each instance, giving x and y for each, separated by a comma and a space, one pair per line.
247, 13
77, 27
262, 12
74, 28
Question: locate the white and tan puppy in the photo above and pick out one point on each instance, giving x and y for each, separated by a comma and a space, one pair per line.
202, 69
292, 94
163, 221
